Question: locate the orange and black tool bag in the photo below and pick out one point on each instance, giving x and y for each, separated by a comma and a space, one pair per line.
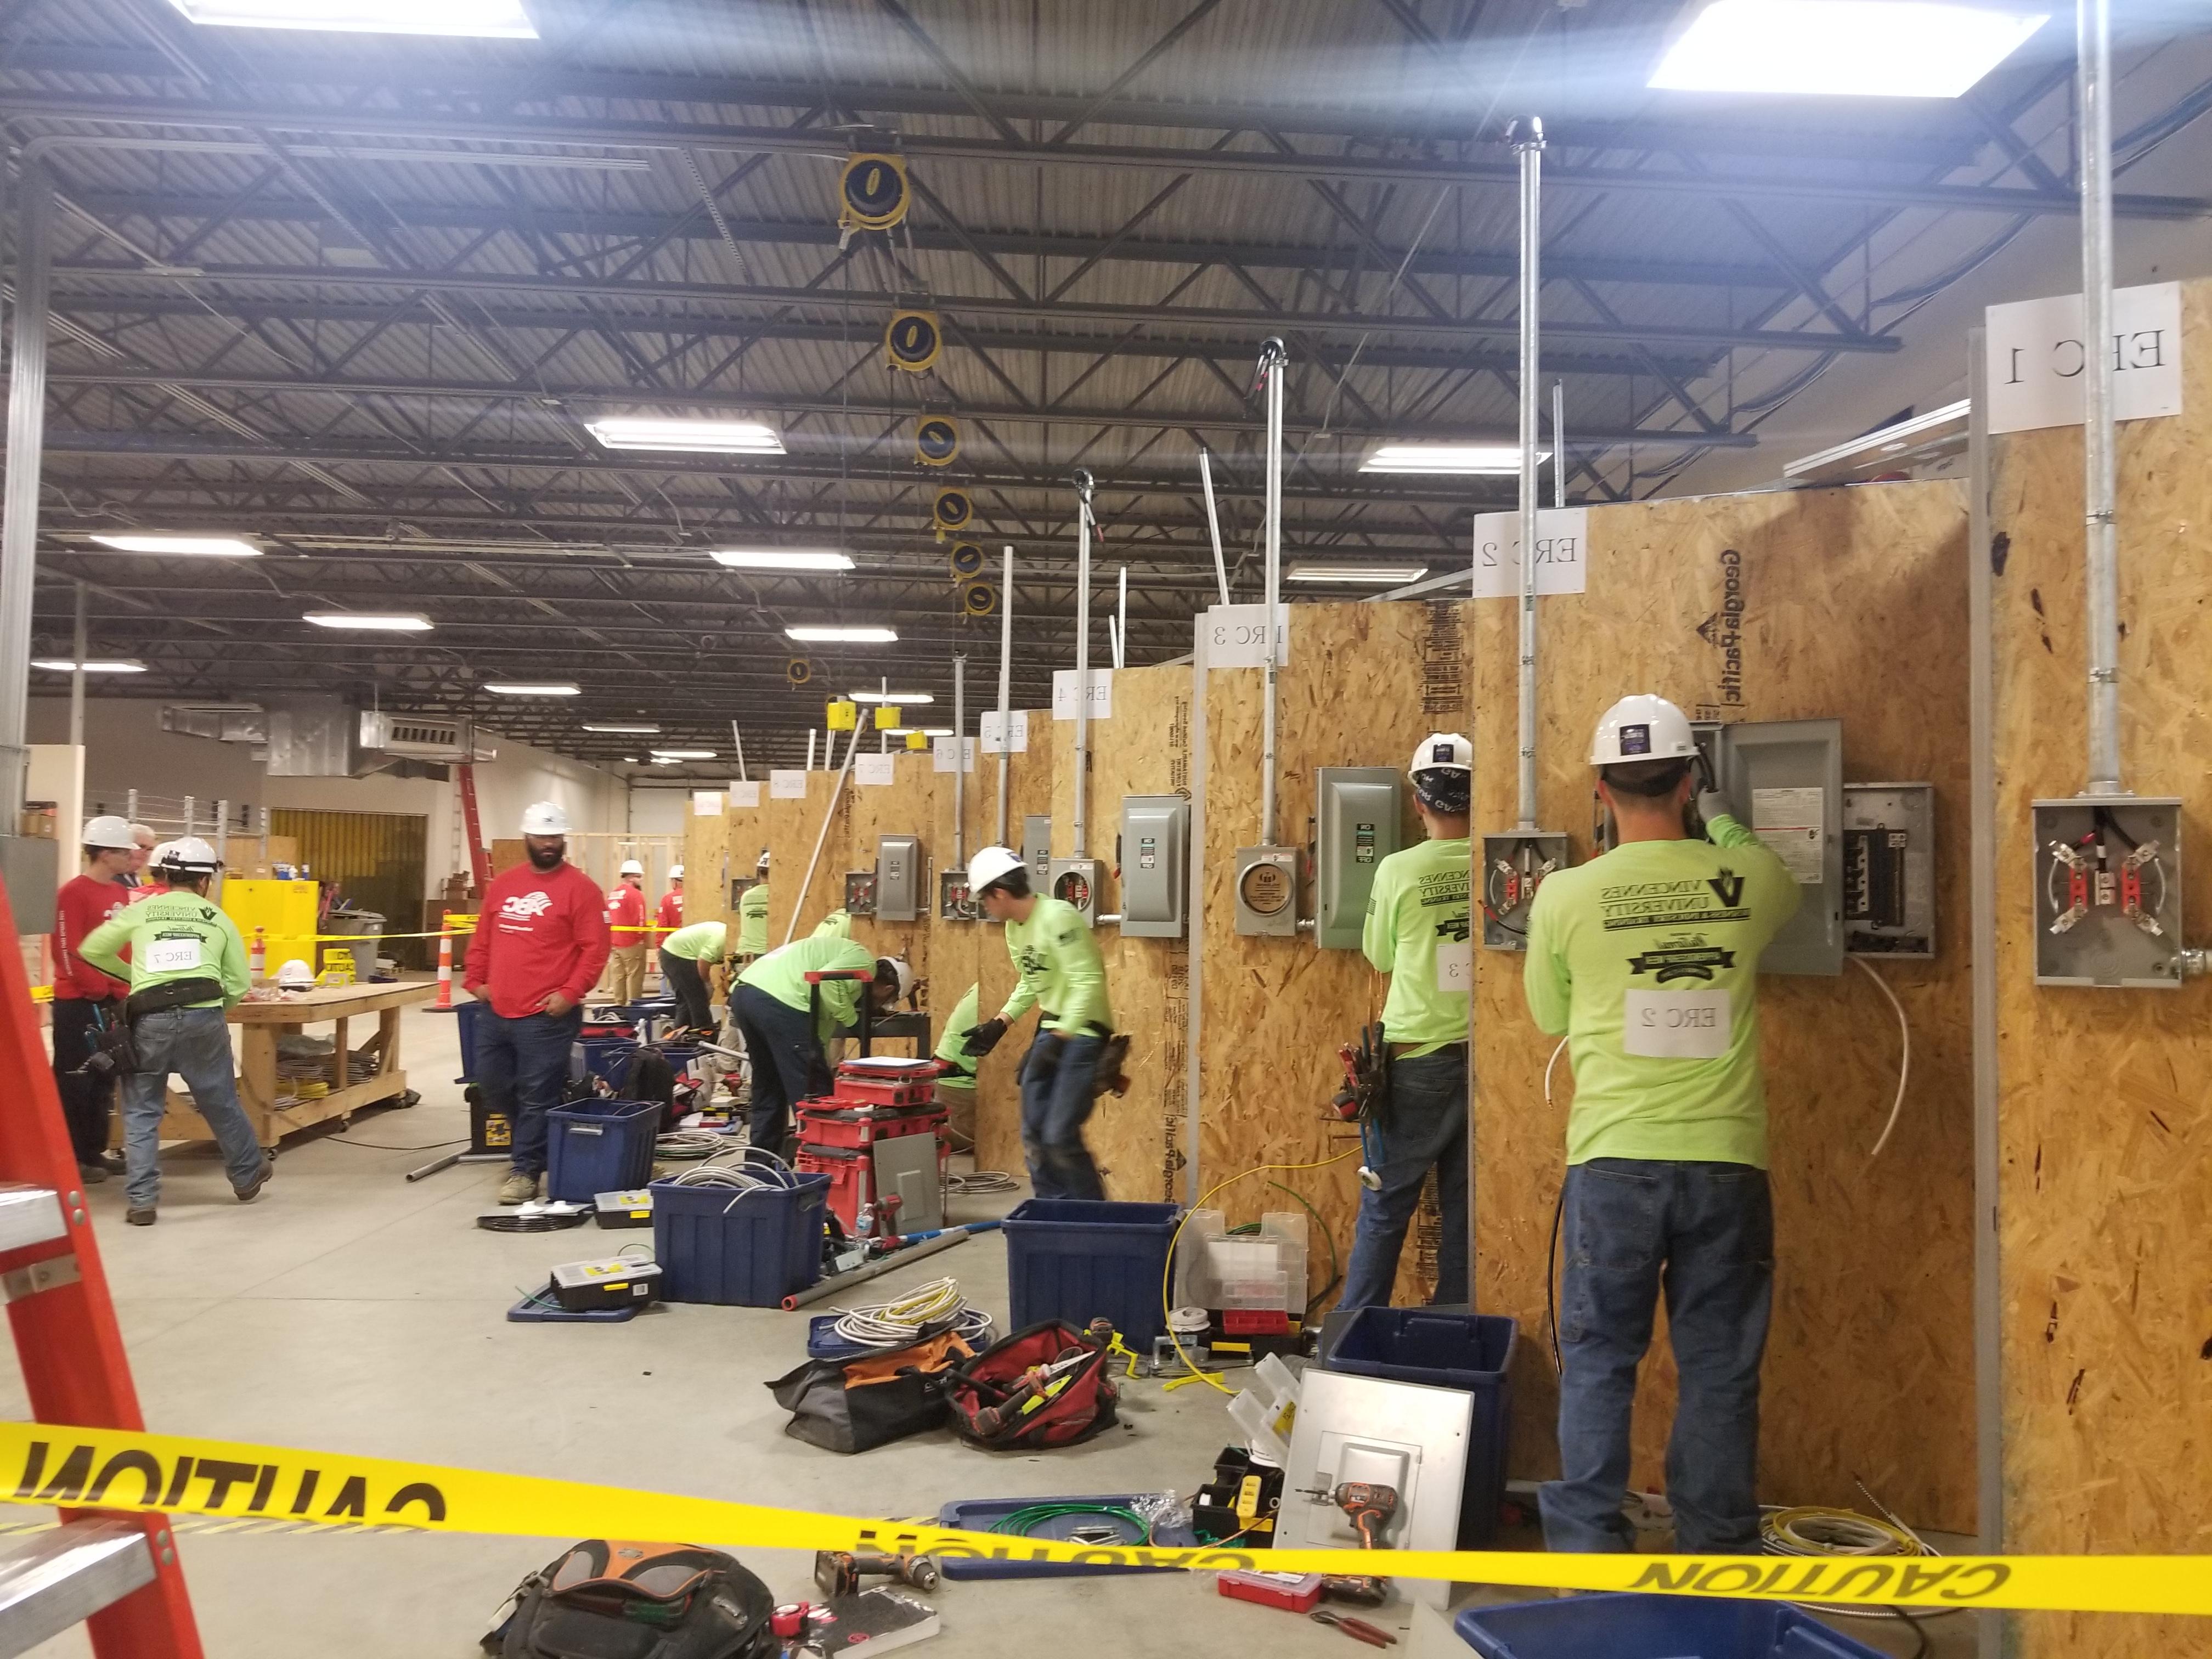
612, 1598
855, 1405
1039, 1388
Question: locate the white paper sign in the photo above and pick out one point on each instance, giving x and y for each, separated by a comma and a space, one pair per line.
786, 785
1102, 694
2036, 358
171, 955
940, 755
994, 739
1455, 966
1562, 552
745, 794
1789, 822
875, 770
1677, 1024
706, 803
1236, 636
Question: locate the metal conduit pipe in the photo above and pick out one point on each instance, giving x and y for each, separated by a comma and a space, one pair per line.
1528, 138
960, 759
1006, 684
18, 516
1083, 489
2092, 22
1273, 359
1559, 443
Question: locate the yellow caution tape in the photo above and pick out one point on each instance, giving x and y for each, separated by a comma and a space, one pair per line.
276, 1488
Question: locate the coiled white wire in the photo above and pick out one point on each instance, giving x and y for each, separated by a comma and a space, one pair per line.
981, 1181
926, 1310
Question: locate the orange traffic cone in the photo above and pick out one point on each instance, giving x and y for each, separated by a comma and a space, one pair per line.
444, 971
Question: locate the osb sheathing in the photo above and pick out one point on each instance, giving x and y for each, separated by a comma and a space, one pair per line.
2106, 1201
1850, 603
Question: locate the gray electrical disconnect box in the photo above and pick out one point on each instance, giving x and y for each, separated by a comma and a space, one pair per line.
2108, 892
1359, 811
1037, 848
1514, 862
1889, 869
1268, 890
1078, 881
899, 893
1155, 834
1786, 779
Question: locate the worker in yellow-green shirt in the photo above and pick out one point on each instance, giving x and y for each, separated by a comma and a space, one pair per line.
1647, 960
686, 956
1418, 930
787, 1020
1061, 971
752, 917
187, 965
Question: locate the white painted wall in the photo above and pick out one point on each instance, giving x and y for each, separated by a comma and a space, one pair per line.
659, 812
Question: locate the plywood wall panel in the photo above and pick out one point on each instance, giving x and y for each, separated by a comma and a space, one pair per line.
793, 827
906, 806
2106, 1201
1852, 603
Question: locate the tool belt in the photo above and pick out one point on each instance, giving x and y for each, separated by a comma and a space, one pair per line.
171, 994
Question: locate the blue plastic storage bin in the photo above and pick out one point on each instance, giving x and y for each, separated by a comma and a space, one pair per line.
594, 1146
465, 1016
1078, 1259
601, 1057
1472, 1352
1627, 1626
747, 1249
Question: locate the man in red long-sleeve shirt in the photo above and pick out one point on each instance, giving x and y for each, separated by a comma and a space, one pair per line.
540, 942
84, 998
626, 921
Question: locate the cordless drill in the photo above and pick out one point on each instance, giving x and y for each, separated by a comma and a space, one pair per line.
1369, 1506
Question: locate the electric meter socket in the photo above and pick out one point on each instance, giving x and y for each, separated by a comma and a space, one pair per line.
1080, 882
1266, 889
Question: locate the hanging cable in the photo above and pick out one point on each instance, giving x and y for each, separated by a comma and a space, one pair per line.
1905, 1060
1551, 1251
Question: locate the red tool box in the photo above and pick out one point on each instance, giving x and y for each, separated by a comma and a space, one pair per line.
886, 1082
867, 1106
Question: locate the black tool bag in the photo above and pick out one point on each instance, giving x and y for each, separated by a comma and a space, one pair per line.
112, 1054
649, 1076
854, 1405
611, 1598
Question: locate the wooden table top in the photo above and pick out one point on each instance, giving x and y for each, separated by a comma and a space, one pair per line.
333, 1002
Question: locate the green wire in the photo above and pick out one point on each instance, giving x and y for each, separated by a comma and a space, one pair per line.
1024, 1522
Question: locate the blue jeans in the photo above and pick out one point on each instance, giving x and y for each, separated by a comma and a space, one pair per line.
522, 1067
1058, 1074
1703, 1234
195, 1043
1427, 1126
788, 1061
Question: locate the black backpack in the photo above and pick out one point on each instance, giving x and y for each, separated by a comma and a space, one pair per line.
649, 1076
611, 1598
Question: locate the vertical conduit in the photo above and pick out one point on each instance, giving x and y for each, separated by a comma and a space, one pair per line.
960, 759
1559, 444
2094, 76
1528, 144
1083, 487
1272, 358
1006, 685
19, 517
76, 679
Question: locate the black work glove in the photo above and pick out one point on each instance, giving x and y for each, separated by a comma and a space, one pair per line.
981, 1039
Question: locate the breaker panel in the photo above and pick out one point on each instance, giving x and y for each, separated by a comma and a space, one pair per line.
2108, 892
899, 884
1155, 841
1515, 863
1786, 779
1359, 813
1036, 849
1889, 869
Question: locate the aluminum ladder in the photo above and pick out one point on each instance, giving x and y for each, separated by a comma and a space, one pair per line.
115, 1573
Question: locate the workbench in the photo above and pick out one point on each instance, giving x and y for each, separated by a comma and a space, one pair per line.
258, 1086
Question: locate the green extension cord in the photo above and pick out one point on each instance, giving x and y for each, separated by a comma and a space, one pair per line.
1024, 1522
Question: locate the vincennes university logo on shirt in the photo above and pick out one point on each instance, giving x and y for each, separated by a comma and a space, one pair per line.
525, 906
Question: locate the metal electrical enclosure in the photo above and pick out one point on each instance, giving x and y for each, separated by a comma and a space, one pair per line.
2108, 892
1889, 869
1078, 881
1155, 840
1359, 811
1036, 849
1514, 862
1786, 779
899, 893
1268, 890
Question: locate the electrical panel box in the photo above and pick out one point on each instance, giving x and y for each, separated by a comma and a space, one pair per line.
2108, 892
1786, 779
1515, 863
1078, 881
1268, 890
1036, 849
954, 902
1358, 812
1155, 839
1889, 869
860, 892
900, 893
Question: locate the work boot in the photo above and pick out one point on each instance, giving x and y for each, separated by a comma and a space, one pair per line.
92, 1173
141, 1217
252, 1189
518, 1188
112, 1161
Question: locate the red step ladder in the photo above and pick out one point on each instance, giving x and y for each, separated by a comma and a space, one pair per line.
117, 1574
479, 857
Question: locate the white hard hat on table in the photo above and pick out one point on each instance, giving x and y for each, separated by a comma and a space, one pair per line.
992, 864
1641, 728
107, 832
295, 976
545, 817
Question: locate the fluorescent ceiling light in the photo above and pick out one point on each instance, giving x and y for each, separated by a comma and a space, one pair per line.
1858, 48
1315, 570
503, 20
92, 664
895, 699
926, 731
392, 622
1466, 458
808, 635
694, 437
683, 754
776, 558
208, 547
525, 688
630, 731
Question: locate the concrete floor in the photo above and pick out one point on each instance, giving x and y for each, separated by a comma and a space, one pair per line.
351, 1310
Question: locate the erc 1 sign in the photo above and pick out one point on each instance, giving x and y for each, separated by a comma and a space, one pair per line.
2036, 357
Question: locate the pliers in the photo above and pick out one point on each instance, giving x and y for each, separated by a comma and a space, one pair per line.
1358, 1629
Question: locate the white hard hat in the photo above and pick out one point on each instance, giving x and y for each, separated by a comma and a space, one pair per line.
1442, 751
295, 976
992, 864
189, 854
545, 817
675, 873
107, 832
896, 969
630, 867
763, 865
1641, 728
